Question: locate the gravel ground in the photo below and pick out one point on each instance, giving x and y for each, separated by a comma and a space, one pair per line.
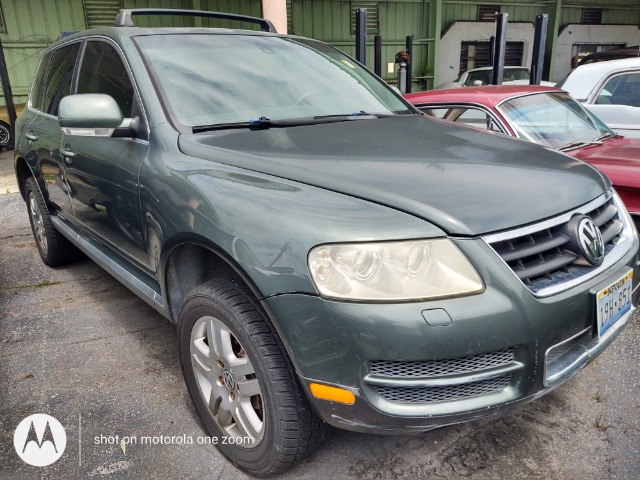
77, 345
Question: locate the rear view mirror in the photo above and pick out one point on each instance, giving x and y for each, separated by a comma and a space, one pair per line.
91, 115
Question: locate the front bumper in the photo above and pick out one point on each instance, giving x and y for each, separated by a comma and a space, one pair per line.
410, 371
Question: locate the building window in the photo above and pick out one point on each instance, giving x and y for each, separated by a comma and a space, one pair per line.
592, 16
478, 54
487, 13
372, 16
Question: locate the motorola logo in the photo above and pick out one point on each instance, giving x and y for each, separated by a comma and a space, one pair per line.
39, 440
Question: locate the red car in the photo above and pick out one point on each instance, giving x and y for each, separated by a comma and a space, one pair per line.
547, 116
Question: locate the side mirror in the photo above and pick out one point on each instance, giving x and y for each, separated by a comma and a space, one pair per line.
477, 83
93, 115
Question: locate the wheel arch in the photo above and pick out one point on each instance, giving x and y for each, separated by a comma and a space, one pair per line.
189, 261
23, 171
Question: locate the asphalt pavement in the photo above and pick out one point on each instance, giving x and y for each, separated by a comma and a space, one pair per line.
77, 345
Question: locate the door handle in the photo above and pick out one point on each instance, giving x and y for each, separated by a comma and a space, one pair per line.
30, 136
67, 154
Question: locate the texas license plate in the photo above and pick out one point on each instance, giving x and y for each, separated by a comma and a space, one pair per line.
613, 302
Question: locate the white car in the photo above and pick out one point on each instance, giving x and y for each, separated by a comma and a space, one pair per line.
611, 90
483, 76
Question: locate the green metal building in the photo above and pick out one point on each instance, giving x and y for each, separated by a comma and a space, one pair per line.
449, 35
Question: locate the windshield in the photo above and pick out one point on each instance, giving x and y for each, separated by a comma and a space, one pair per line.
226, 79
553, 119
486, 75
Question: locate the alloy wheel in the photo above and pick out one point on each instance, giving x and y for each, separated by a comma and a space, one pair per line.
37, 222
227, 381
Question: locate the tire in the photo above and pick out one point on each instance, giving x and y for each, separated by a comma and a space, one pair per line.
55, 250
274, 421
5, 134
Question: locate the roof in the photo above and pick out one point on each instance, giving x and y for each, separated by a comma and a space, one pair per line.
120, 33
583, 79
506, 67
124, 26
485, 95
613, 54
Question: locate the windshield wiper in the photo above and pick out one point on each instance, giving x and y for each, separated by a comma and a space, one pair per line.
604, 137
578, 143
262, 123
570, 145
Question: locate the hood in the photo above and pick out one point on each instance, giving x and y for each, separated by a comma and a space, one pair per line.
463, 180
618, 158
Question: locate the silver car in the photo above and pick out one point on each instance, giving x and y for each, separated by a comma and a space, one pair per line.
611, 90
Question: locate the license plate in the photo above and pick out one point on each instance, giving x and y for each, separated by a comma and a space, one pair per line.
613, 302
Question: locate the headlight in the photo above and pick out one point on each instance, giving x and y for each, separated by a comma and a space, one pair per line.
410, 270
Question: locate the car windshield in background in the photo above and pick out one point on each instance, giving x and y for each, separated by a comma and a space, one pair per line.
553, 119
228, 79
486, 75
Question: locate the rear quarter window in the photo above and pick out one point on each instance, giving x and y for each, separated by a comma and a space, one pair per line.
59, 77
35, 98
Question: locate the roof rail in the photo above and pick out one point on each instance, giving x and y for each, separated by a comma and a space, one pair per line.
67, 33
125, 16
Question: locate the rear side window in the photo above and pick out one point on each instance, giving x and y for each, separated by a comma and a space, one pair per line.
35, 99
621, 90
103, 71
59, 77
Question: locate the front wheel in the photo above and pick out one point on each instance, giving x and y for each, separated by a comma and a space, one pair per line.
241, 380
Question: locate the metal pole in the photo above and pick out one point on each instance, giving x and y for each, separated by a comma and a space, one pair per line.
377, 55
409, 50
492, 49
361, 35
539, 40
500, 48
8, 95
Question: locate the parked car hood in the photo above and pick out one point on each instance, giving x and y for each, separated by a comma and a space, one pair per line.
618, 158
463, 180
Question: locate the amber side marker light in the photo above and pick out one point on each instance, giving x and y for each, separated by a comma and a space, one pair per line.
333, 394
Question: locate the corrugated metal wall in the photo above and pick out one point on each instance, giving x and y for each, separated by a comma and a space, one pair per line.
623, 12
615, 12
31, 26
518, 10
245, 7
330, 21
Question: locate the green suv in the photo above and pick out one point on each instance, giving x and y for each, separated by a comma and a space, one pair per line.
329, 255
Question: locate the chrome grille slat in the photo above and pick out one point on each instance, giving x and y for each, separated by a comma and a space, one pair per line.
511, 253
543, 264
603, 215
611, 231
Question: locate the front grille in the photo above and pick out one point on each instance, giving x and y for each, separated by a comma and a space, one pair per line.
443, 393
545, 257
438, 368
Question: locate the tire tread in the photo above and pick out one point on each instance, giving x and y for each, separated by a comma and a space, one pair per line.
301, 429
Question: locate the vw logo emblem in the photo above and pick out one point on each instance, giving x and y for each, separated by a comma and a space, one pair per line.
590, 241
229, 381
